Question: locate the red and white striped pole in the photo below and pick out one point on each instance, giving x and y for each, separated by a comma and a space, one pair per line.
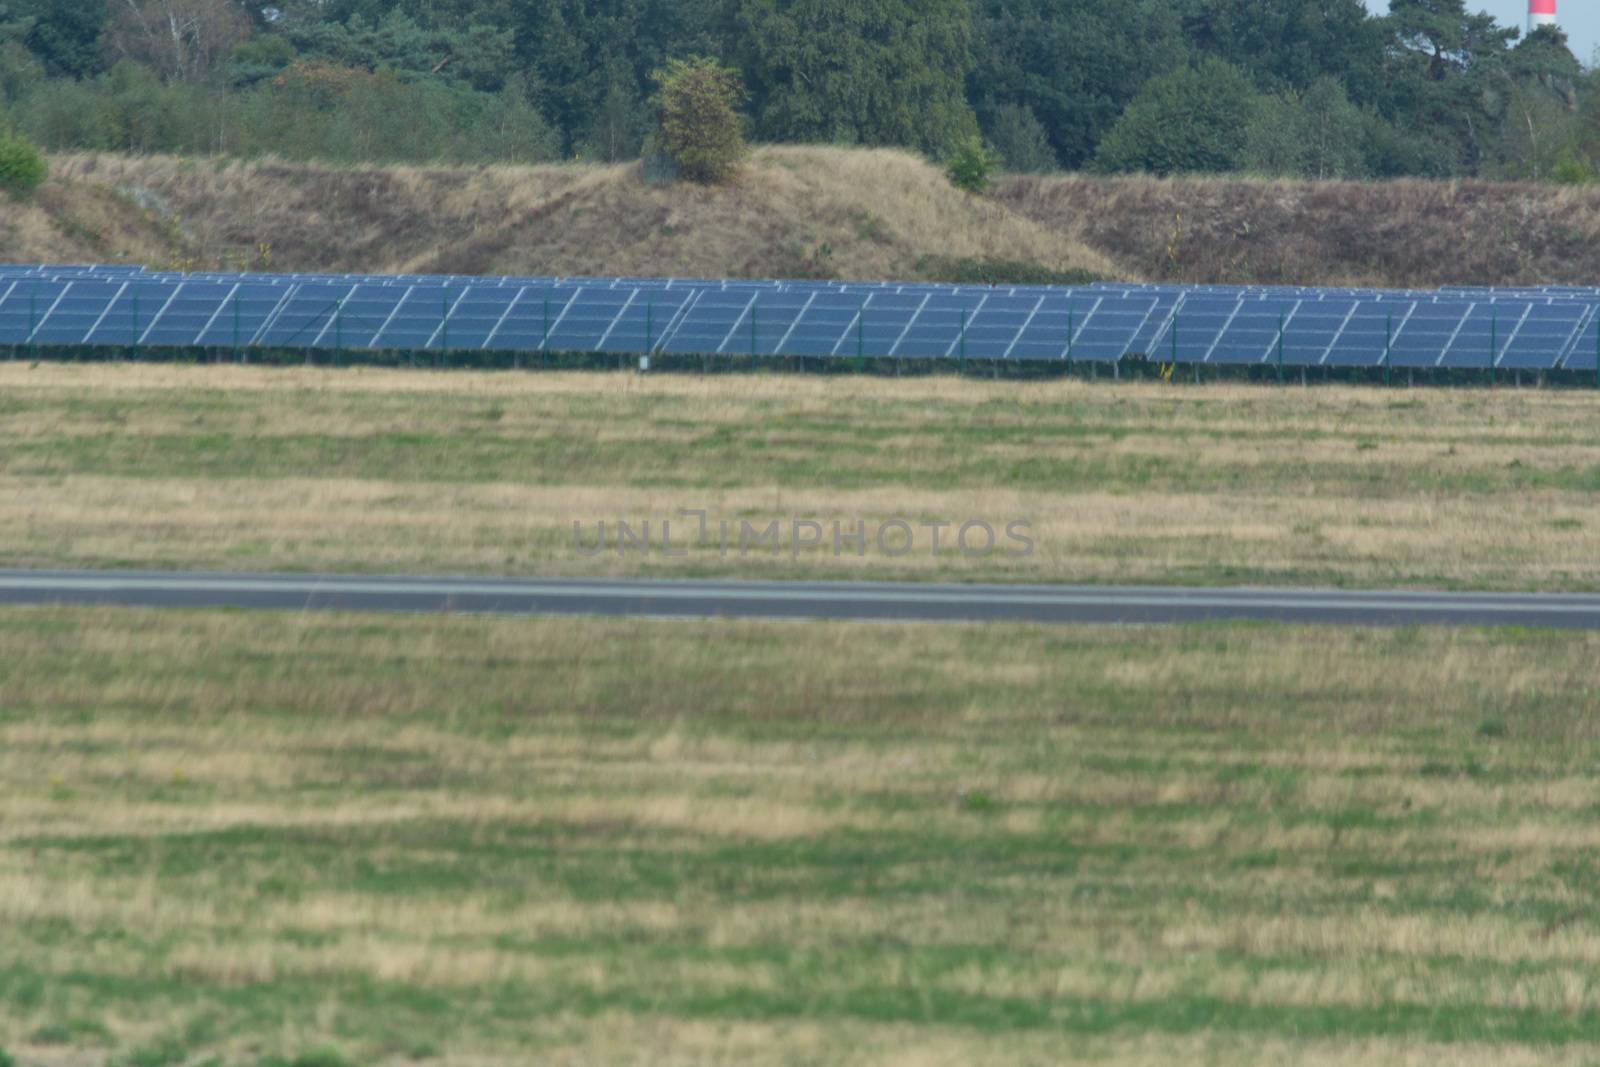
1541, 13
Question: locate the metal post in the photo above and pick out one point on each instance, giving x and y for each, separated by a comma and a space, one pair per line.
754, 304
1070, 332
1388, 347
544, 340
649, 326
238, 356
1597, 353
136, 326
861, 334
338, 334
1494, 341
1280, 348
963, 340
444, 322
1174, 341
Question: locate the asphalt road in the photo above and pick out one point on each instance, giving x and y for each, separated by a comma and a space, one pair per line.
794, 600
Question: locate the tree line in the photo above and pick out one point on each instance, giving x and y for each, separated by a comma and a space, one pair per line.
1314, 88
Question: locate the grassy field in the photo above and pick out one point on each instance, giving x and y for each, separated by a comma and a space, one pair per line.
369, 470
472, 841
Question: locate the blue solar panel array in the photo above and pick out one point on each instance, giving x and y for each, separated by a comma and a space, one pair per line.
1548, 328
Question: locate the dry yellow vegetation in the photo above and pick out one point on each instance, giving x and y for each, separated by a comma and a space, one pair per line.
832, 212
396, 470
812, 211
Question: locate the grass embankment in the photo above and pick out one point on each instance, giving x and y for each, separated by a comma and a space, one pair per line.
798, 211
1407, 233
243, 468
485, 841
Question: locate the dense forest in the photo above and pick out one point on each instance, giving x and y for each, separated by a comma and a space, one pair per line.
1315, 88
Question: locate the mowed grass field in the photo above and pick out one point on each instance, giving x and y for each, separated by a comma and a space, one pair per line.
235, 838
371, 470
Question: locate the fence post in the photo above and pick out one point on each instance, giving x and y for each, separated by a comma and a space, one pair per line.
238, 355
1494, 342
1070, 331
544, 340
338, 334
1388, 347
136, 326
649, 327
755, 302
1280, 348
444, 322
33, 317
861, 334
963, 340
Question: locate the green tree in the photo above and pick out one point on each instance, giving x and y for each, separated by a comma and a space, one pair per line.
1075, 64
63, 34
1286, 46
618, 130
1447, 73
1194, 119
701, 130
1020, 140
1318, 134
873, 72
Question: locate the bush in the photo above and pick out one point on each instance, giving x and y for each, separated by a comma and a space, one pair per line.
970, 166
22, 170
1570, 170
701, 131
6, 1060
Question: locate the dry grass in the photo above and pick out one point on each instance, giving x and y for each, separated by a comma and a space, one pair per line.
484, 841
799, 211
805, 211
1409, 233
410, 471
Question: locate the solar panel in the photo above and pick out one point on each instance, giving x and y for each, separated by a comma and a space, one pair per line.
1460, 327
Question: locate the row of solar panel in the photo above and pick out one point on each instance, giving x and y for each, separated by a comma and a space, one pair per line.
1179, 293
1086, 324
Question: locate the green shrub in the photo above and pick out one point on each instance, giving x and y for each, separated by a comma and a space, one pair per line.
701, 131
1570, 170
970, 165
6, 1060
22, 170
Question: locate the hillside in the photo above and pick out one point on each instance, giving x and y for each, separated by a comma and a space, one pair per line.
1398, 233
798, 211
793, 212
